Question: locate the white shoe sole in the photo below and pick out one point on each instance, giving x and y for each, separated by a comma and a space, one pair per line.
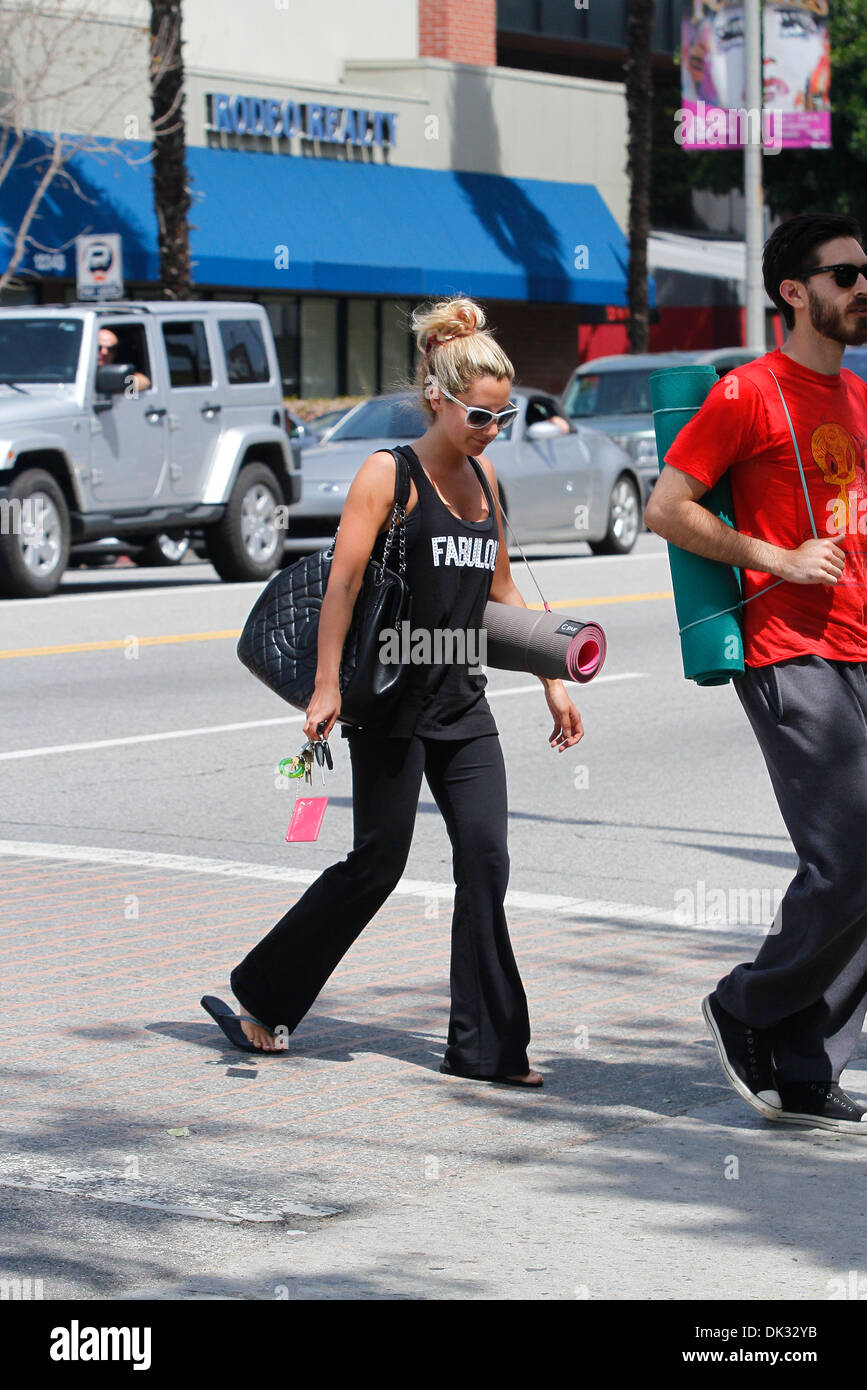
771, 1110
791, 1117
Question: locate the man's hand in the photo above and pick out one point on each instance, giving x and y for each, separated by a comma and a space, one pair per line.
674, 512
817, 561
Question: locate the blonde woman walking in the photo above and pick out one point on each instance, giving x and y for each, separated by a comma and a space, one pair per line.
442, 727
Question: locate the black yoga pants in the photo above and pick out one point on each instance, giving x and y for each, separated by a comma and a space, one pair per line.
281, 977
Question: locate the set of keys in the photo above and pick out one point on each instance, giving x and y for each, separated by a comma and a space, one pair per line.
301, 765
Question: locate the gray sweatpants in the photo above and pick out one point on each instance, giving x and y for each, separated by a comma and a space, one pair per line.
808, 983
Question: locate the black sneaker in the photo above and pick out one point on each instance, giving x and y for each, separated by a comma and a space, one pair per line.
821, 1104
746, 1057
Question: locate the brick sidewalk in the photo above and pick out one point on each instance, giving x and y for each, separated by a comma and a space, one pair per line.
106, 1048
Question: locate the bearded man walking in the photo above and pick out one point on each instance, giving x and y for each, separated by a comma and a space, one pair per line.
791, 431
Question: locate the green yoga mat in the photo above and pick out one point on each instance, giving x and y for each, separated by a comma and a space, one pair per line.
711, 646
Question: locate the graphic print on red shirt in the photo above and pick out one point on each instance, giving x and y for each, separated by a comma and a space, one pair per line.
742, 429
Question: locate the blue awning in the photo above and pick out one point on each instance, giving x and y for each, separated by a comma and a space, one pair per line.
264, 221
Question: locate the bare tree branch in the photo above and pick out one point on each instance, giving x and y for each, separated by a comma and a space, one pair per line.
68, 67
20, 243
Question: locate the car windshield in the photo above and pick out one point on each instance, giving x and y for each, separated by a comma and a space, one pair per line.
608, 393
326, 420
39, 349
382, 418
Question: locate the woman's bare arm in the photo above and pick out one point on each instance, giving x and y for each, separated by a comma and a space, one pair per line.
568, 728
368, 506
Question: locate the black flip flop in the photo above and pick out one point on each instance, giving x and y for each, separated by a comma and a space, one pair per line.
499, 1080
230, 1023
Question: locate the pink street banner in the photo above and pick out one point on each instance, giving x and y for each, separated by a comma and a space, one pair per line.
796, 71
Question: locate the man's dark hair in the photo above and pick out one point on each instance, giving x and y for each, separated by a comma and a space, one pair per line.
793, 248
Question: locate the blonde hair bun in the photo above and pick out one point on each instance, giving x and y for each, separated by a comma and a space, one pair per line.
456, 347
445, 320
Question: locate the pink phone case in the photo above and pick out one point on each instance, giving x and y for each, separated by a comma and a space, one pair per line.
307, 818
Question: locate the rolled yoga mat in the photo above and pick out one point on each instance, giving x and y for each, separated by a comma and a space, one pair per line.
707, 594
545, 644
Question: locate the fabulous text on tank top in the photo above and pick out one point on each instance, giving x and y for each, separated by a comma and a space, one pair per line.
450, 566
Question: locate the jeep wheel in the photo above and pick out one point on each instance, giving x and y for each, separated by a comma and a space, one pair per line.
247, 542
34, 539
168, 548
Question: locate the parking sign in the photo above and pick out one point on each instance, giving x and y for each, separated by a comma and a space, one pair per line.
99, 267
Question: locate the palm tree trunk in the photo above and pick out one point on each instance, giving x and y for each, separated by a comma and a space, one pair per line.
171, 183
639, 103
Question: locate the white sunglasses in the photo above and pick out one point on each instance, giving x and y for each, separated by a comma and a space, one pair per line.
478, 418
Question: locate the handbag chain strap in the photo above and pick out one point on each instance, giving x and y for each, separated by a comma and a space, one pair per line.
398, 520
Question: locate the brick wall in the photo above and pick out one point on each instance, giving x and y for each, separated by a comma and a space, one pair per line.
541, 340
463, 31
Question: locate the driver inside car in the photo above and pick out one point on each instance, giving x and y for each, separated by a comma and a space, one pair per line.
107, 355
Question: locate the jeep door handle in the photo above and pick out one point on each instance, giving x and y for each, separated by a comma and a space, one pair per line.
210, 410
155, 412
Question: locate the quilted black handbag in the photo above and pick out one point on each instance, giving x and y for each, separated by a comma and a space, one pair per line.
279, 640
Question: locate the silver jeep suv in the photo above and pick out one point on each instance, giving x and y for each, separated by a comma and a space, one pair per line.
136, 420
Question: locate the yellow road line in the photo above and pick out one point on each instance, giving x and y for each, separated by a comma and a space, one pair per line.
114, 643
603, 598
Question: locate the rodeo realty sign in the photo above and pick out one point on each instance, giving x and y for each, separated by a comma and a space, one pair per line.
333, 125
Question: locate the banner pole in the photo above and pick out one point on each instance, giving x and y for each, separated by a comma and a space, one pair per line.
753, 192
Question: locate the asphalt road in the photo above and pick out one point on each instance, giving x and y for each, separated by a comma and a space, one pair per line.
143, 853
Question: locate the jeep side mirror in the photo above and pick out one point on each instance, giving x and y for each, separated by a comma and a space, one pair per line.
112, 380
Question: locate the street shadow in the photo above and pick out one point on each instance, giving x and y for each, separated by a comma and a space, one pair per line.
778, 858
319, 1036
106, 585
668, 1119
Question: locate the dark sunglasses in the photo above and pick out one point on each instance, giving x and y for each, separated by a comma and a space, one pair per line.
844, 274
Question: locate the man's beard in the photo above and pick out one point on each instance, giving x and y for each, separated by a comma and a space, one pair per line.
830, 322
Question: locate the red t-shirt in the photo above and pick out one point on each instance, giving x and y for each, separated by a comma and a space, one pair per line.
742, 428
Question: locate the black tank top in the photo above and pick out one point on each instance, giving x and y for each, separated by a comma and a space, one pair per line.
449, 568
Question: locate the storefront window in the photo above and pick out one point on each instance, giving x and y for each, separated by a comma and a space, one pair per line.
396, 356
19, 294
361, 347
557, 20
319, 354
517, 14
283, 315
607, 24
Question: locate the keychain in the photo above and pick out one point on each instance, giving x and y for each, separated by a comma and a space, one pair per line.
309, 810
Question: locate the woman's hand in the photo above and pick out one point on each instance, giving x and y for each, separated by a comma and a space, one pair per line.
568, 728
323, 709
